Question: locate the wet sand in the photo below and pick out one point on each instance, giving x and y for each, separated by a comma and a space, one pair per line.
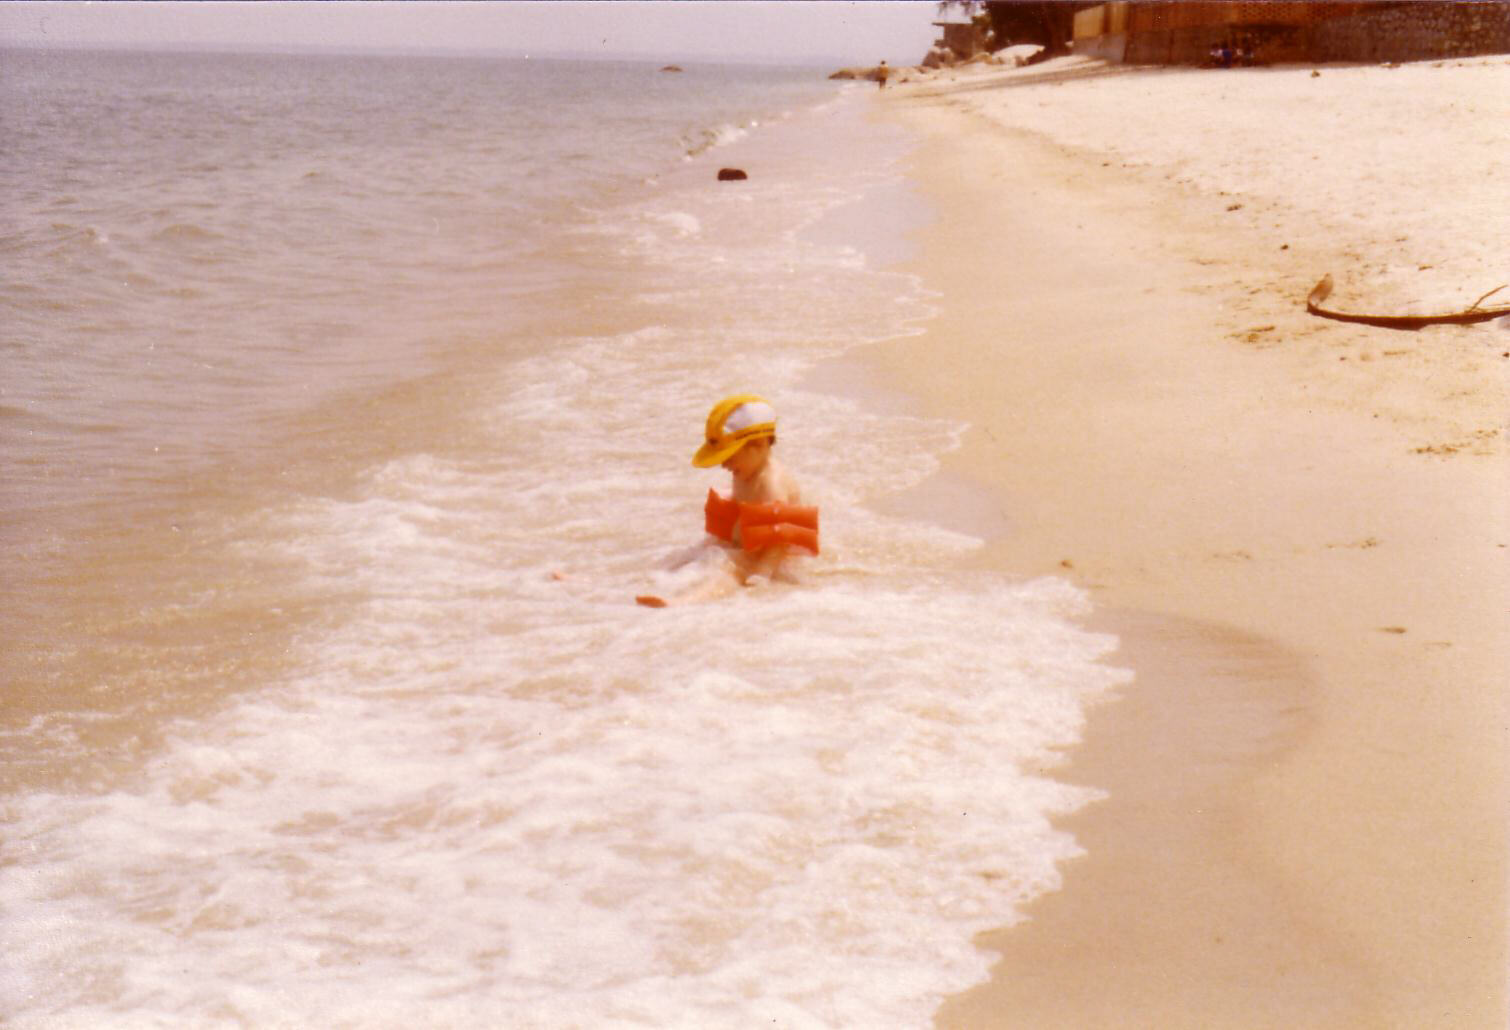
1298, 527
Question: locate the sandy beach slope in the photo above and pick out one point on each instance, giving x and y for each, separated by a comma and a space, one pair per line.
1298, 526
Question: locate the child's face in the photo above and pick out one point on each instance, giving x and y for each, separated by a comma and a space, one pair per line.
747, 462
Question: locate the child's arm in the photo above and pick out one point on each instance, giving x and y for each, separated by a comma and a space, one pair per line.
709, 589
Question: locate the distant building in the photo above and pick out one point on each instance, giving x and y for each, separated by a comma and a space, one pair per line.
1192, 31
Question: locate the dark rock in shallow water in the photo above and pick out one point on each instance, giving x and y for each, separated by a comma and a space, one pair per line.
731, 174
671, 68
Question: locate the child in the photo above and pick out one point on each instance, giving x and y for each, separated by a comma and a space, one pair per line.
762, 519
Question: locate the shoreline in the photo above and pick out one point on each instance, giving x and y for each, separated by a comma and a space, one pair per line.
1154, 425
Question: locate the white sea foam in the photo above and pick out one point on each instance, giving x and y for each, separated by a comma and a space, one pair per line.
683, 223
480, 800
720, 136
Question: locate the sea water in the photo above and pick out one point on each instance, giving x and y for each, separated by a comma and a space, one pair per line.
347, 402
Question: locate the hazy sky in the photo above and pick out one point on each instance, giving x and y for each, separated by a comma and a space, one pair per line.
798, 30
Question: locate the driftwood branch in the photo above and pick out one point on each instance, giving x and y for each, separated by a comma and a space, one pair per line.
1474, 314
1475, 305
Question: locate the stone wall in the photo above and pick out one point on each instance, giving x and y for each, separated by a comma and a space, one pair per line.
1413, 32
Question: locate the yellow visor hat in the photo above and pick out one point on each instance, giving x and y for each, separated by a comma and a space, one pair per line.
734, 422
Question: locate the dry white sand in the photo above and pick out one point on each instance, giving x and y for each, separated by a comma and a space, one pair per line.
1299, 526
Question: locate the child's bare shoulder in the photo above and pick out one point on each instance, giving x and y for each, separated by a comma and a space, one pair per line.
783, 486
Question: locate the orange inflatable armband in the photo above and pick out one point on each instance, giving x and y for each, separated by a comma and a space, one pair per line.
761, 525
758, 538
764, 525
774, 513
720, 515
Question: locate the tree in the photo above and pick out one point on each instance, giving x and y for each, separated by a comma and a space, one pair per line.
969, 8
1048, 23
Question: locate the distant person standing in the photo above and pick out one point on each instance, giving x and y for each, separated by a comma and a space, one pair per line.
881, 73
